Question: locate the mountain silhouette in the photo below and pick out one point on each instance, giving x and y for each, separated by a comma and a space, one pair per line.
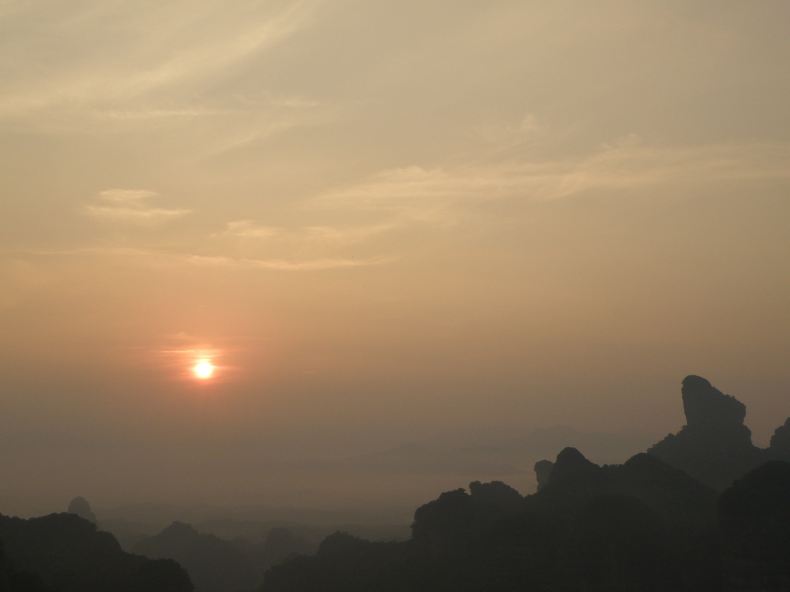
634, 526
715, 446
213, 564
780, 442
279, 544
66, 553
702, 510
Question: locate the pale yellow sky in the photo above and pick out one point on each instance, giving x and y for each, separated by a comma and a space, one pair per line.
388, 221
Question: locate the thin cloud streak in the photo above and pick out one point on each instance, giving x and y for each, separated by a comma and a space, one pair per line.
138, 72
287, 265
158, 258
622, 165
318, 235
129, 206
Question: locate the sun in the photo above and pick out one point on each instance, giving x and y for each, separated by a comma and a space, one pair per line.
203, 369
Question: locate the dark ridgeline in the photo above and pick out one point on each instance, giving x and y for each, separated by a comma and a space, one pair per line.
702, 510
65, 553
214, 564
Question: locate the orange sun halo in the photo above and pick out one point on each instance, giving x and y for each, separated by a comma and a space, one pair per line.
203, 369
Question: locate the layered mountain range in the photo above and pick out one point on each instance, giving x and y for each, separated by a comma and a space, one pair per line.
702, 510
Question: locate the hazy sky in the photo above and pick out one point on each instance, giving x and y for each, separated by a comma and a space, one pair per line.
385, 222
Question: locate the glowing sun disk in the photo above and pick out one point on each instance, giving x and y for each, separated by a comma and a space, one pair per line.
203, 369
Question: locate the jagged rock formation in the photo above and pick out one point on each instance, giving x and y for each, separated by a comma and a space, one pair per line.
450, 519
706, 407
81, 507
213, 564
572, 467
654, 523
668, 492
613, 528
714, 446
780, 442
65, 553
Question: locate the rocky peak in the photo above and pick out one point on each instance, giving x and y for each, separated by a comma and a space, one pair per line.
570, 466
495, 494
706, 407
714, 447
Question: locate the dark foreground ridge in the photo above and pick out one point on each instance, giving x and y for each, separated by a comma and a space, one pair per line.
702, 510
65, 553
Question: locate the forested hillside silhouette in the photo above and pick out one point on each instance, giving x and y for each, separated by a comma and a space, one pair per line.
66, 553
702, 510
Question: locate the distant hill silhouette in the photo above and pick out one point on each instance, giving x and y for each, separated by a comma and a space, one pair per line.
81, 507
219, 565
277, 546
214, 564
65, 553
654, 523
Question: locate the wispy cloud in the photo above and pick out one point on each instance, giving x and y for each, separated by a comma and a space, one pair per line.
286, 264
168, 259
249, 229
131, 206
316, 236
168, 60
429, 193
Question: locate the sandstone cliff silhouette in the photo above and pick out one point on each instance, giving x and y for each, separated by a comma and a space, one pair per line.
638, 526
656, 523
715, 446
